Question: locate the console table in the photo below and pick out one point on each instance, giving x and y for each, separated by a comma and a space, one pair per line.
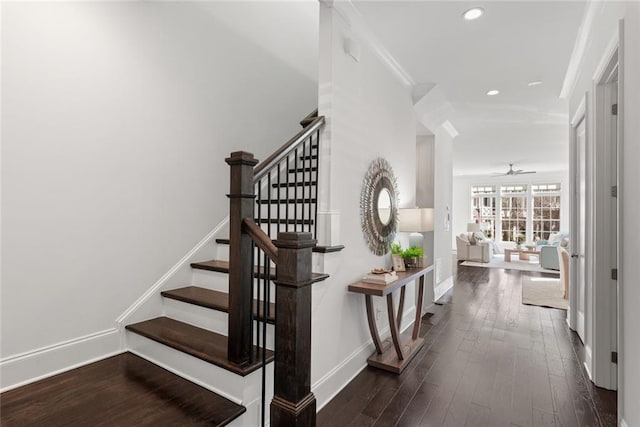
396, 357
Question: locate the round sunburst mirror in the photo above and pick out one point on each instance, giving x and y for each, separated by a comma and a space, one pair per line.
379, 206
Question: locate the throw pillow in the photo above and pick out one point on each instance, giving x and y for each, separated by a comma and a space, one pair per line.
564, 242
479, 236
554, 239
472, 238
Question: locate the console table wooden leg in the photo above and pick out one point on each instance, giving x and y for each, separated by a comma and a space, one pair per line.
393, 325
373, 329
416, 324
401, 307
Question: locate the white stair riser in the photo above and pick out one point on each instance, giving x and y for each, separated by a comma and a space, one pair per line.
206, 318
241, 390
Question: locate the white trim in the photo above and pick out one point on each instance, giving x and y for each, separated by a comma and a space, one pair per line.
621, 236
579, 48
330, 384
579, 116
354, 19
580, 113
450, 129
602, 302
153, 290
442, 288
623, 423
34, 365
588, 360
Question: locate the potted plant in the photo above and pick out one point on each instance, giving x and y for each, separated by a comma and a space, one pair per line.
396, 249
519, 240
412, 255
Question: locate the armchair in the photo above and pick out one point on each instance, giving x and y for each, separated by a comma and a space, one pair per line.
479, 252
549, 250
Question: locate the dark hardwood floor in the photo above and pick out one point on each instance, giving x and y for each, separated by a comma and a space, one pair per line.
122, 390
488, 361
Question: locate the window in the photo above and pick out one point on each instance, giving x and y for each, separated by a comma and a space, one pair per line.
546, 210
531, 211
513, 212
483, 208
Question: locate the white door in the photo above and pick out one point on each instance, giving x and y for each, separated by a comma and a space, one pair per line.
579, 250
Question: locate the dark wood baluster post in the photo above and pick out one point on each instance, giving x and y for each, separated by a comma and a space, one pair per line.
293, 403
241, 203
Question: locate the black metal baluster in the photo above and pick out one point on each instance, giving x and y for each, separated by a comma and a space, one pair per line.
286, 211
295, 191
310, 180
253, 289
315, 216
265, 299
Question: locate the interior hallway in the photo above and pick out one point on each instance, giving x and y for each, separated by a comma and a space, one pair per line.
488, 360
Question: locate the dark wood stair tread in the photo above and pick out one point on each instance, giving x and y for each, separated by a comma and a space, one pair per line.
283, 221
309, 118
214, 300
317, 248
208, 406
121, 390
307, 169
201, 343
223, 267
284, 201
294, 184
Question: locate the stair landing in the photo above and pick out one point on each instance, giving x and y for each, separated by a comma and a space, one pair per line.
123, 390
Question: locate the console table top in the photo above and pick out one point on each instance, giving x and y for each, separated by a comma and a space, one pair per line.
404, 277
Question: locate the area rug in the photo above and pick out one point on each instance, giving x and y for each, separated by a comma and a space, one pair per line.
543, 291
498, 262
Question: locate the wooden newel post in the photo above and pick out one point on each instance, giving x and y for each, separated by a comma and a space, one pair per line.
293, 403
241, 203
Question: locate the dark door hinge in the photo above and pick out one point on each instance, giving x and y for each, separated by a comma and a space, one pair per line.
614, 273
614, 357
614, 109
614, 191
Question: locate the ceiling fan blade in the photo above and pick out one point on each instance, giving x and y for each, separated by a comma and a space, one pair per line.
524, 172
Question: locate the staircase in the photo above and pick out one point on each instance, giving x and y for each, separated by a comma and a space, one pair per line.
203, 333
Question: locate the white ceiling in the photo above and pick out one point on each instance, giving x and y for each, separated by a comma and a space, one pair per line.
515, 42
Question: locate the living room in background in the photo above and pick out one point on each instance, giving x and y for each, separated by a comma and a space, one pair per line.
526, 209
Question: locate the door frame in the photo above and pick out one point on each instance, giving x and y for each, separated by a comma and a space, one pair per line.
579, 116
605, 300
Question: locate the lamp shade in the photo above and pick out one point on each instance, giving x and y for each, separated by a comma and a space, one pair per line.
472, 227
416, 220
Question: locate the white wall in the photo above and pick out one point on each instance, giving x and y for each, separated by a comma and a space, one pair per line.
369, 115
116, 119
603, 31
443, 209
462, 194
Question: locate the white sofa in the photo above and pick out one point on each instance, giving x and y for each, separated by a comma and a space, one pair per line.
466, 251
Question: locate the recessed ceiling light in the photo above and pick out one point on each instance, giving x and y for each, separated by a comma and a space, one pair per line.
473, 13
535, 83
493, 92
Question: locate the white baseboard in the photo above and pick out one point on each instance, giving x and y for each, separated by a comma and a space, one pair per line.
623, 423
588, 360
327, 387
442, 288
25, 368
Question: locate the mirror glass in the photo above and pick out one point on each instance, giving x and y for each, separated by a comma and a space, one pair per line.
384, 206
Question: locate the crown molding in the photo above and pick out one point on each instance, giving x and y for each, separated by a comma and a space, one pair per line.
580, 47
356, 22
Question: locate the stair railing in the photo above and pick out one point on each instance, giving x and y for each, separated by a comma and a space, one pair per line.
254, 259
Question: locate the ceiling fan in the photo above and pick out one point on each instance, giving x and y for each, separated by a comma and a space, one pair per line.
511, 171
